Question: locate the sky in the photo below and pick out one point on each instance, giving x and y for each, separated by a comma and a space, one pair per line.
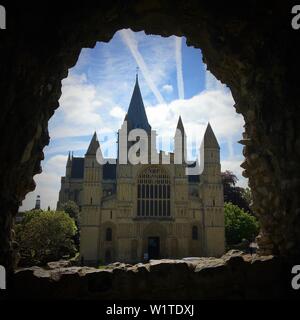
96, 94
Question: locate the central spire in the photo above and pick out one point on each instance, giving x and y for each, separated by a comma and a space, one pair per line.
136, 115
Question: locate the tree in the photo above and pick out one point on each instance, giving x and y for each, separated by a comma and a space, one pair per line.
71, 208
45, 236
236, 195
239, 224
229, 179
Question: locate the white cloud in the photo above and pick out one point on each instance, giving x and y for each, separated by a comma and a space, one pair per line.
79, 108
47, 184
117, 112
234, 165
215, 107
211, 83
167, 88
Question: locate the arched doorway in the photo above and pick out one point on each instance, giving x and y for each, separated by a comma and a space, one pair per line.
154, 240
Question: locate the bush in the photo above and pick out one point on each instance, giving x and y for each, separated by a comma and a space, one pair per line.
45, 236
239, 224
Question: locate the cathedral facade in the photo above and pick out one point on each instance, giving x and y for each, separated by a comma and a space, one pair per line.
151, 208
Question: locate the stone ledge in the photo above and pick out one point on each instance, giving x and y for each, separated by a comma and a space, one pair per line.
233, 276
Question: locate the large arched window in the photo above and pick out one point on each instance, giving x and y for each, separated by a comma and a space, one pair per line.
153, 193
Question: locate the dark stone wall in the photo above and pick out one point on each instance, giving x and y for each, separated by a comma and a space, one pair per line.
234, 276
249, 45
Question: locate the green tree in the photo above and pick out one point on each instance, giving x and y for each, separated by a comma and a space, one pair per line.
45, 236
239, 224
71, 208
234, 194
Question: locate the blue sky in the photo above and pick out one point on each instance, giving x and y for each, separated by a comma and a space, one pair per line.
96, 95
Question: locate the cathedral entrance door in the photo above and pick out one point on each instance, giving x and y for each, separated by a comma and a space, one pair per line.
153, 247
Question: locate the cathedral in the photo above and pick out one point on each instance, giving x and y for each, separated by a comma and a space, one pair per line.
146, 208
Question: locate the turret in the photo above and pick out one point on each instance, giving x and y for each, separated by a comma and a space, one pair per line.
92, 174
210, 155
180, 143
69, 166
92, 197
211, 191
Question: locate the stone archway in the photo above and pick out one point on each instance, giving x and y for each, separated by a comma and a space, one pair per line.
258, 63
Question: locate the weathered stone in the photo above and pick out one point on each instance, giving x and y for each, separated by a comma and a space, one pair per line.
59, 264
234, 276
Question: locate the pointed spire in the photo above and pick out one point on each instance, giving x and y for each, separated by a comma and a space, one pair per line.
137, 74
210, 140
180, 125
136, 115
94, 145
69, 161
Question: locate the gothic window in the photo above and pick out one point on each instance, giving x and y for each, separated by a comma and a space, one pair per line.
108, 234
153, 193
195, 233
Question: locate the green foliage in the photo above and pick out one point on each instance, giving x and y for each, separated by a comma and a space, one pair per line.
45, 236
28, 215
239, 224
234, 194
71, 208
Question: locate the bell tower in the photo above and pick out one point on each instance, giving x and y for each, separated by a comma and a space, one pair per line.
211, 191
91, 207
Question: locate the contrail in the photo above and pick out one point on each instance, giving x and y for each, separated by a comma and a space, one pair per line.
128, 38
180, 83
230, 147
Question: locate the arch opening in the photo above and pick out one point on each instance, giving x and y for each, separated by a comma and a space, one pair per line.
262, 135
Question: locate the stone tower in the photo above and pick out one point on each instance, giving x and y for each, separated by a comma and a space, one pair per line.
211, 192
92, 196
